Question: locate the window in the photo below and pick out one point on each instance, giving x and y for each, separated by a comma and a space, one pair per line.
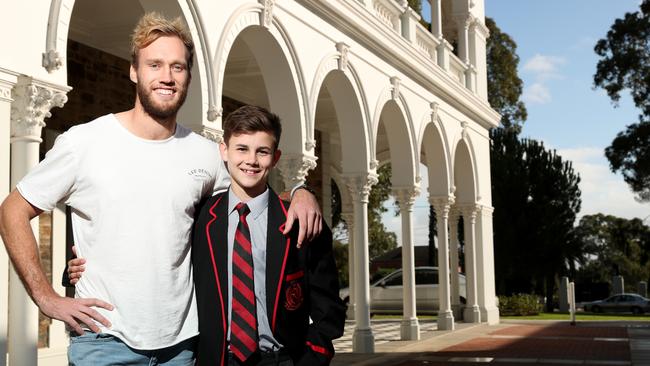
395, 280
426, 277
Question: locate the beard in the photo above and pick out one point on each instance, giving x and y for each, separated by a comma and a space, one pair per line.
156, 110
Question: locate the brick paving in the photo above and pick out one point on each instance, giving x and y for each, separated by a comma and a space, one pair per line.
541, 343
556, 341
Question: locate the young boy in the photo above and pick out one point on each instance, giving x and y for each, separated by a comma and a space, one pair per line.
256, 292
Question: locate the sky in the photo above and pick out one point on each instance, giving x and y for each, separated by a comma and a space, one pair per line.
555, 41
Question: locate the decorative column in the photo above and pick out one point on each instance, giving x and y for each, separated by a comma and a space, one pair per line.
294, 168
445, 315
348, 216
478, 35
456, 306
33, 101
7, 82
436, 19
410, 18
463, 21
326, 185
359, 185
487, 300
472, 313
410, 329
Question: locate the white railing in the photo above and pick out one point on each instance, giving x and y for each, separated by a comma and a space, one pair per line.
392, 14
426, 42
457, 68
389, 13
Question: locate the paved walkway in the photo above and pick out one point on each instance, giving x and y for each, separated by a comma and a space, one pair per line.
508, 343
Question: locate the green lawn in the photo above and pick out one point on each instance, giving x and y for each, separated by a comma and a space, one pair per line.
580, 316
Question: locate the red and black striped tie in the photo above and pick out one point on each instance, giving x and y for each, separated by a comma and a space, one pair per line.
243, 323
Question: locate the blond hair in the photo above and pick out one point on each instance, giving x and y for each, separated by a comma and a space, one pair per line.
153, 26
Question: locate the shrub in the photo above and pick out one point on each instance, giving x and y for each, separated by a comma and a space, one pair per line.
519, 304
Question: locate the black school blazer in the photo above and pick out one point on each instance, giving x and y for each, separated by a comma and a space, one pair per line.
300, 284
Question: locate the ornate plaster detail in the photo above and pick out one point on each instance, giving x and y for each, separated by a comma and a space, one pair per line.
212, 134
481, 28
405, 196
310, 145
395, 82
464, 125
266, 17
344, 51
52, 61
463, 20
32, 103
374, 164
442, 204
5, 92
469, 211
214, 113
294, 168
359, 185
434, 111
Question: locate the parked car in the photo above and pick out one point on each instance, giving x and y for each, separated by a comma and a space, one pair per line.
386, 294
621, 303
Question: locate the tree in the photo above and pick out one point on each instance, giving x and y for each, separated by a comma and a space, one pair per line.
504, 85
379, 238
625, 65
416, 5
617, 246
537, 197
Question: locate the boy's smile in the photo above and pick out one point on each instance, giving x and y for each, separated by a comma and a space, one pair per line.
250, 158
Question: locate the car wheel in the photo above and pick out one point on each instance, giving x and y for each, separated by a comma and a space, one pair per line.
636, 310
596, 309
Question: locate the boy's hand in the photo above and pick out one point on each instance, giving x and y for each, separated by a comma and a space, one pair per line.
75, 267
304, 207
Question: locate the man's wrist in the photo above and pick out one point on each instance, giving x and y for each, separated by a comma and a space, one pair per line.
302, 186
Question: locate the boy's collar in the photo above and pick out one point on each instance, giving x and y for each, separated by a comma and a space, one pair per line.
256, 205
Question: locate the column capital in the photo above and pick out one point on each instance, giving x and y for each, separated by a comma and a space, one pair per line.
405, 196
486, 210
442, 204
295, 167
32, 101
360, 184
212, 133
469, 210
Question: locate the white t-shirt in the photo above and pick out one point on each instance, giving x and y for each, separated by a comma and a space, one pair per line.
132, 212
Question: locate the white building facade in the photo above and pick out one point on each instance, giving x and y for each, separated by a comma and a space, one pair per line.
357, 83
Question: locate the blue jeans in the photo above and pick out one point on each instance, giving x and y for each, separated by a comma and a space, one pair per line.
104, 349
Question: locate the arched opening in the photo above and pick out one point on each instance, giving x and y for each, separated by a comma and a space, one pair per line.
258, 72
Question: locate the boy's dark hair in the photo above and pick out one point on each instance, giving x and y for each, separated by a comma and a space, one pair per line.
250, 119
